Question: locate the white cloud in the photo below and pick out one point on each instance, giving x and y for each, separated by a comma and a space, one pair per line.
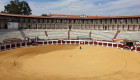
2, 4
89, 7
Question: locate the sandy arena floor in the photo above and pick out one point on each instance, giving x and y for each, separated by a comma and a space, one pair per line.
68, 62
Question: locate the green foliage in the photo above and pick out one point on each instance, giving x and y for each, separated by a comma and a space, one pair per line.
44, 15
17, 8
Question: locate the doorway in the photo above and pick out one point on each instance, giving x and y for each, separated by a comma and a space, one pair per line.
105, 27
129, 43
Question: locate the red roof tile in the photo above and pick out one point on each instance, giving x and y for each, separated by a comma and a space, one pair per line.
61, 16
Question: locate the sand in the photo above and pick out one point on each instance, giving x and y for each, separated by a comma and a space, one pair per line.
68, 62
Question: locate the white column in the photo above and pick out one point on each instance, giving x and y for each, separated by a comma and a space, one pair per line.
25, 43
56, 42
70, 41
52, 42
135, 48
65, 42
43, 42
117, 46
84, 42
10, 46
16, 45
5, 47
88, 42
107, 44
79, 42
112, 44
47, 43
93, 42
102, 44
61, 42
0, 48
21, 44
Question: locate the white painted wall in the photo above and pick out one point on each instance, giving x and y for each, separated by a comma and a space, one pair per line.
12, 25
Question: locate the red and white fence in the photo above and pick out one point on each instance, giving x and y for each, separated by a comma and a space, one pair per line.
76, 42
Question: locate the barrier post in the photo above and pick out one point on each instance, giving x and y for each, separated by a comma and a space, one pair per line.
47, 42
97, 43
84, 42
43, 43
117, 45
5, 47
135, 48
107, 44
0, 48
15, 45
52, 42
61, 42
93, 42
25, 44
65, 42
112, 45
102, 43
10, 46
56, 42
79, 42
20, 44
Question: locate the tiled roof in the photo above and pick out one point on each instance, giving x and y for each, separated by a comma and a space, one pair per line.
61, 16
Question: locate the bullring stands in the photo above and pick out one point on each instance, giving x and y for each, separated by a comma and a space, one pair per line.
63, 34
130, 35
75, 33
6, 34
103, 35
57, 34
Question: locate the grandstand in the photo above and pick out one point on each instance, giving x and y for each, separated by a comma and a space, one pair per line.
129, 35
69, 27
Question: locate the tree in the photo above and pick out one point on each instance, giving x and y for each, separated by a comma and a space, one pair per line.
16, 7
44, 15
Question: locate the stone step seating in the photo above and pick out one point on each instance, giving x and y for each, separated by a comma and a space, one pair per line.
75, 33
6, 34
129, 35
103, 35
57, 34
32, 33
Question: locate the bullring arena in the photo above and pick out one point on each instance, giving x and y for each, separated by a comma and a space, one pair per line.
51, 50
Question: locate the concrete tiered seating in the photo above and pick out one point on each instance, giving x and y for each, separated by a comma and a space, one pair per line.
40, 33
103, 35
61, 33
75, 33
129, 35
57, 34
6, 34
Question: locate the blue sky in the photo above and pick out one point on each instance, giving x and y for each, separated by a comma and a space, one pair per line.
78, 7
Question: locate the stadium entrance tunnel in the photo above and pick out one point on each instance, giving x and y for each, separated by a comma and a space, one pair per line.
129, 43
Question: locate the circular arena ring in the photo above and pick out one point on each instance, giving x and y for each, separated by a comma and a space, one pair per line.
64, 60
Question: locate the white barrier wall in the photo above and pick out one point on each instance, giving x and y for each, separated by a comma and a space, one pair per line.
78, 42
